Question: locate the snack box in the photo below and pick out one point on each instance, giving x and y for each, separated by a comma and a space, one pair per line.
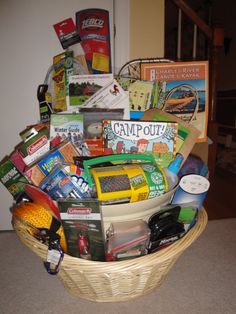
37, 171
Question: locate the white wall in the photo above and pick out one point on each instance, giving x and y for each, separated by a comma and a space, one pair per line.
147, 28
28, 43
122, 37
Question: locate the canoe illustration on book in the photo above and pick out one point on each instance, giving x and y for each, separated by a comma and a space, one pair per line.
182, 99
178, 103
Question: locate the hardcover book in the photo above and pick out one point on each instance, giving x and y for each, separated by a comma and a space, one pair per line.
157, 138
182, 90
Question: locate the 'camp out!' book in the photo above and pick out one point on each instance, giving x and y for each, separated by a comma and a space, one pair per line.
126, 136
182, 90
83, 228
187, 134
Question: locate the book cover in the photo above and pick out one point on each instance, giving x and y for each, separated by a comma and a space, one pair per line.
157, 138
83, 228
182, 90
67, 126
82, 87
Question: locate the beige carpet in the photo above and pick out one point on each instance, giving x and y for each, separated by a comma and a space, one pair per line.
202, 281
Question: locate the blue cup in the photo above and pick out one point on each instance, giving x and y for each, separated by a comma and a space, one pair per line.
192, 189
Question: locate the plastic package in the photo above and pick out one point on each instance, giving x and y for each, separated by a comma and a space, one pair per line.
127, 239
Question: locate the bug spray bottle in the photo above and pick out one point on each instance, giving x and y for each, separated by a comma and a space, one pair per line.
171, 172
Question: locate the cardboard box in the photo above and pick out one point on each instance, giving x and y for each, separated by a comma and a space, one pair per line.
40, 169
34, 145
11, 177
83, 228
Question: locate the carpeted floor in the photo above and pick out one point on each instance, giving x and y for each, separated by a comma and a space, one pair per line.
203, 281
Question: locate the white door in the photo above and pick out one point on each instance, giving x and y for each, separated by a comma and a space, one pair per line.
28, 43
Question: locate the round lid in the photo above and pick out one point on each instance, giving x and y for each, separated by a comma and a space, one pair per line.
194, 184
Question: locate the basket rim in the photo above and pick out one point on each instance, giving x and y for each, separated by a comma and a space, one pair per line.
160, 256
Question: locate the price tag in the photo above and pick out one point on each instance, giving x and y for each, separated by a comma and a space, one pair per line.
53, 256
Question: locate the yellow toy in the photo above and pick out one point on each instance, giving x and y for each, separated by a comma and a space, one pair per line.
37, 216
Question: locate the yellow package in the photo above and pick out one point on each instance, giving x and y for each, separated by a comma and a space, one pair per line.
63, 67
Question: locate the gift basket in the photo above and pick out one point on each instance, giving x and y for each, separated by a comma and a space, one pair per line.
105, 189
116, 281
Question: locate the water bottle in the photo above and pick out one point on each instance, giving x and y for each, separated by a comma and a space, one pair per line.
171, 172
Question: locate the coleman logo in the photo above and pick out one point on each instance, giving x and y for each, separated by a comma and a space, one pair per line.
92, 23
79, 211
37, 145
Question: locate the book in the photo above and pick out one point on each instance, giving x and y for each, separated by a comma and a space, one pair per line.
146, 137
67, 126
182, 90
83, 227
82, 87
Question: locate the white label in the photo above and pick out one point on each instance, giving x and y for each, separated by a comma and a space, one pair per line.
53, 257
194, 184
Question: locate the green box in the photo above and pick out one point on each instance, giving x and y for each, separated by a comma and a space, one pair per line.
82, 218
12, 178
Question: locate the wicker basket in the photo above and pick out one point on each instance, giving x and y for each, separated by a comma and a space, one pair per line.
116, 281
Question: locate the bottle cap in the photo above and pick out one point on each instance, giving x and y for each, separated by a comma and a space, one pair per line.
174, 166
